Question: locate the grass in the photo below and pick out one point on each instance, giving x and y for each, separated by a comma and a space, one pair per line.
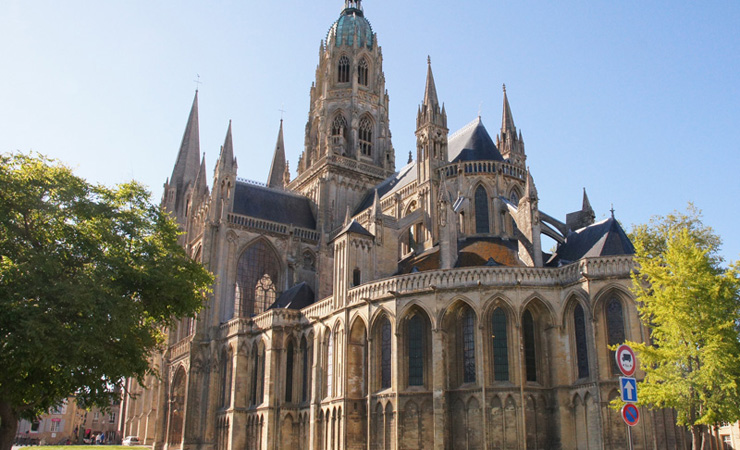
85, 447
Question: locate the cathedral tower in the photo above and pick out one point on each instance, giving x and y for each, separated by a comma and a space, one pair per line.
348, 146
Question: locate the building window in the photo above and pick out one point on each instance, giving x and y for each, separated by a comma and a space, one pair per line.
339, 126
362, 72
515, 200
257, 276
530, 352
343, 70
255, 374
226, 369
112, 418
500, 346
615, 328
329, 365
356, 277
365, 133
35, 426
579, 323
481, 210
289, 373
306, 352
468, 331
96, 416
55, 425
416, 351
385, 353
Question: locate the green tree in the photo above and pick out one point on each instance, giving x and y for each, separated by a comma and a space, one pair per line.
691, 305
89, 277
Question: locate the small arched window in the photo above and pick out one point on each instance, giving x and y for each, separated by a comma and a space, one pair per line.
614, 327
362, 72
481, 210
579, 325
289, 373
339, 126
530, 351
385, 353
416, 351
500, 346
356, 277
365, 134
343, 70
468, 331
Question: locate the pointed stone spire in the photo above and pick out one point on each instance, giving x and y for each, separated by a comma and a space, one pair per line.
530, 188
276, 177
376, 210
347, 217
286, 174
430, 91
226, 160
586, 203
186, 167
201, 186
507, 120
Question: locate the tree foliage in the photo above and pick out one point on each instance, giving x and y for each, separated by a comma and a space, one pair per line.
691, 305
89, 276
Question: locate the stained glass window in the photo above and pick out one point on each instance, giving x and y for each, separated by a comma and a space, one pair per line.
338, 126
330, 365
256, 277
468, 346
500, 346
343, 70
530, 352
416, 351
614, 327
385, 354
289, 373
362, 72
306, 368
481, 210
365, 133
579, 323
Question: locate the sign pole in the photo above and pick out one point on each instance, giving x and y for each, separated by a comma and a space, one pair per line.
629, 434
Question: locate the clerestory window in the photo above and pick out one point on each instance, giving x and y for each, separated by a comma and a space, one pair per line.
365, 133
362, 72
343, 70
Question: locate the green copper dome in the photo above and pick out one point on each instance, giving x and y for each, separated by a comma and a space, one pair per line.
351, 25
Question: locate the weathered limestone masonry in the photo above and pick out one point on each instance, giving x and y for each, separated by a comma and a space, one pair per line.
360, 306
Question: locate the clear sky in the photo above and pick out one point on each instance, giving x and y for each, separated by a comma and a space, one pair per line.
638, 102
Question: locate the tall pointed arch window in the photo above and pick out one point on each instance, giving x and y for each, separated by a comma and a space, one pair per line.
289, 354
330, 364
481, 210
614, 328
385, 353
468, 341
365, 135
362, 72
415, 330
343, 69
255, 376
226, 371
514, 197
579, 325
306, 365
500, 346
256, 279
530, 350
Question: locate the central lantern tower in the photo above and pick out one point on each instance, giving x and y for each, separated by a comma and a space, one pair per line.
348, 146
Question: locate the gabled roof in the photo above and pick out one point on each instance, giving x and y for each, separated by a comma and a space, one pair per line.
472, 143
605, 238
297, 297
353, 227
390, 185
274, 205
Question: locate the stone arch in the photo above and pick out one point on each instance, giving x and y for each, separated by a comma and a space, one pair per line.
612, 310
258, 277
499, 348
536, 318
288, 433
382, 350
482, 212
578, 324
511, 423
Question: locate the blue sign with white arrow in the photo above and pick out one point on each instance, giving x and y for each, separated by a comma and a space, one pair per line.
629, 389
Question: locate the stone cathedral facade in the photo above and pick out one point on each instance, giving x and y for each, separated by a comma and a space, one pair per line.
362, 305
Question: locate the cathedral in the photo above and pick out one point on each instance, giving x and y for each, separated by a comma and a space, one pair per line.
366, 304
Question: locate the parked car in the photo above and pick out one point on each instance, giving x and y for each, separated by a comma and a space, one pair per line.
131, 440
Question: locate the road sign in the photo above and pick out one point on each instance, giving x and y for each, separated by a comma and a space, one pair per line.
629, 389
630, 414
626, 359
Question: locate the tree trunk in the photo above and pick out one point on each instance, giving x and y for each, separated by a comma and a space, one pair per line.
8, 425
696, 437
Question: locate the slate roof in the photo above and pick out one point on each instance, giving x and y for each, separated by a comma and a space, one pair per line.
297, 297
605, 238
390, 185
472, 143
353, 227
275, 205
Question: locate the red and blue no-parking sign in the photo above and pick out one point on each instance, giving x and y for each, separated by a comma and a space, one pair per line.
630, 414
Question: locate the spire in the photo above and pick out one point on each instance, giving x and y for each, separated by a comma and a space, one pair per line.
201, 187
586, 204
430, 92
375, 212
186, 167
347, 217
507, 120
276, 177
226, 160
530, 189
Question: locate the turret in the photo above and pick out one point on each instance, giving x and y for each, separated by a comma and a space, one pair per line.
431, 131
224, 179
509, 143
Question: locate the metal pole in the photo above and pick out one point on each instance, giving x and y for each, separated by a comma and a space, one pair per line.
629, 433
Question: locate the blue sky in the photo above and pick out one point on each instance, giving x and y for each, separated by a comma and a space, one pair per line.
638, 102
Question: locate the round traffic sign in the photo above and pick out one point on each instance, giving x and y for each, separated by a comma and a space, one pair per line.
630, 414
626, 360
